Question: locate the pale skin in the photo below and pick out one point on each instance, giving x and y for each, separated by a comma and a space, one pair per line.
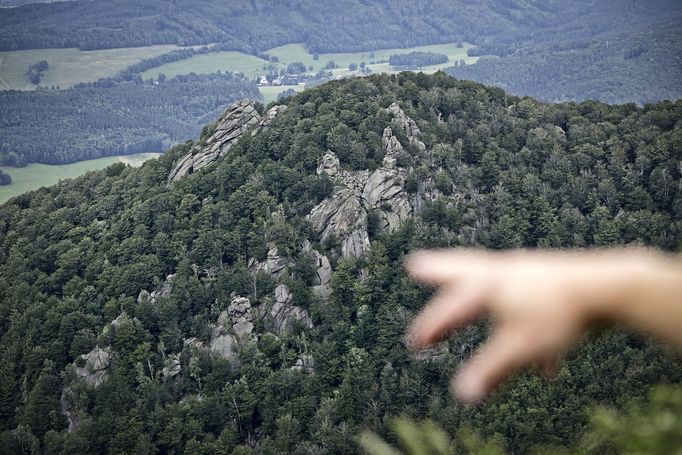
541, 303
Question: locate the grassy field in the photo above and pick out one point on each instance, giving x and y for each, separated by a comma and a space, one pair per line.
298, 53
70, 66
253, 66
270, 93
35, 176
234, 61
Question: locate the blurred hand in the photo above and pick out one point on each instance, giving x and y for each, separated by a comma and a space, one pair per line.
541, 303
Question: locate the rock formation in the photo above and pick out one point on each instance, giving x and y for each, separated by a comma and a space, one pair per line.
239, 119
305, 363
323, 269
274, 264
97, 366
163, 293
281, 317
268, 118
344, 214
409, 126
172, 367
233, 329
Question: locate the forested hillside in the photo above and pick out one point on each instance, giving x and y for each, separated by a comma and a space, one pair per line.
112, 117
243, 293
640, 67
358, 25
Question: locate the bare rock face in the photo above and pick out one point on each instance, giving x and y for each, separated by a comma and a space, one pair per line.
305, 363
233, 329
268, 118
344, 214
163, 293
172, 367
323, 269
98, 363
239, 119
274, 264
282, 316
404, 122
238, 315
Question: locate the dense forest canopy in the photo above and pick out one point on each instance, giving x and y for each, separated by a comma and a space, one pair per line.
640, 67
112, 116
490, 169
357, 25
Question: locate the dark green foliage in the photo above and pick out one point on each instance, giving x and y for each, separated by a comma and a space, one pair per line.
112, 117
415, 60
266, 24
621, 68
511, 172
5, 179
35, 71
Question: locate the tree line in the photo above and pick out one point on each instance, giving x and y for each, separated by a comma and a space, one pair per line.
112, 116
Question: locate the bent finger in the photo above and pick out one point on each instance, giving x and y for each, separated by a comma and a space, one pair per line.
450, 308
501, 357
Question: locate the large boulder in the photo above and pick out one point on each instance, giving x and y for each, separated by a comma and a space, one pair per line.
96, 367
282, 317
232, 331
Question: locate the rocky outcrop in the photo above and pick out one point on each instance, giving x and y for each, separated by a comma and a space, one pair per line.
344, 214
323, 269
305, 363
97, 366
172, 367
274, 264
233, 329
409, 126
238, 315
239, 119
268, 118
281, 317
163, 293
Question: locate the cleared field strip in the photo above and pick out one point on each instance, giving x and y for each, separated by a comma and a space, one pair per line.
68, 67
35, 175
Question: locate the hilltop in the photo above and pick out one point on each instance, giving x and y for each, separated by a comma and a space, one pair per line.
244, 291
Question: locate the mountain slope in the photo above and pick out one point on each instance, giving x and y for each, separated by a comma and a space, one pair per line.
257, 300
357, 25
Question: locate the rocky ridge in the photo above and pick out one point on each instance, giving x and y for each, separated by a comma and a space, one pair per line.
357, 194
240, 118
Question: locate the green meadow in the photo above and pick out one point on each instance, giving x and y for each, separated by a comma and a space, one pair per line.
35, 175
68, 67
298, 53
253, 67
233, 61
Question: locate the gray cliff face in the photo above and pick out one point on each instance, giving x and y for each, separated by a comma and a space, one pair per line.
239, 119
323, 270
274, 264
358, 193
233, 330
281, 317
97, 366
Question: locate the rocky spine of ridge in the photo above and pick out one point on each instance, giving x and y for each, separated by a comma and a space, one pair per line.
345, 213
240, 118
